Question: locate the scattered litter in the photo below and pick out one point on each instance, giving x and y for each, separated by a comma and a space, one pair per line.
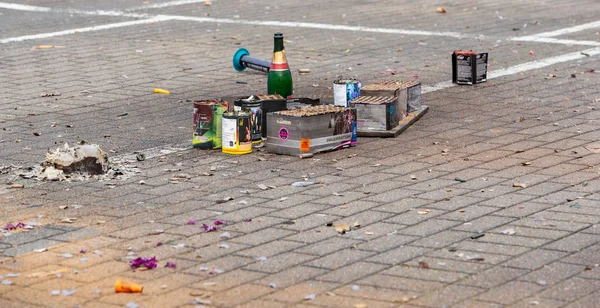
46, 274
67, 255
191, 222
225, 235
478, 235
178, 246
509, 231
224, 246
440, 10
97, 252
309, 297
55, 293
261, 259
594, 148
424, 212
68, 292
341, 228
337, 194
360, 305
541, 282
46, 47
423, 265
262, 186
527, 163
304, 70
475, 258
219, 222
244, 202
149, 263
161, 91
124, 286
83, 260
460, 180
302, 184
67, 220
7, 282
576, 205
208, 228
283, 199
522, 185
355, 288
202, 301
272, 285
132, 305
171, 265
12, 275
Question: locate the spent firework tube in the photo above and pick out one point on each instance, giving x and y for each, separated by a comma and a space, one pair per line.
243, 60
345, 90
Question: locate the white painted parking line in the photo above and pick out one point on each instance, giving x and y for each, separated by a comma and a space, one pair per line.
79, 30
318, 26
578, 28
528, 66
551, 40
166, 4
23, 7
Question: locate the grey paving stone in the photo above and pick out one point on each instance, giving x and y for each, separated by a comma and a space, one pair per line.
30, 247
31, 236
447, 296
352, 272
516, 289
399, 255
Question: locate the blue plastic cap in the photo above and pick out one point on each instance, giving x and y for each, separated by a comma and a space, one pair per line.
237, 59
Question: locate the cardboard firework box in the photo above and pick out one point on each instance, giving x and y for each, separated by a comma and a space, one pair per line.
408, 93
206, 129
469, 67
311, 130
376, 112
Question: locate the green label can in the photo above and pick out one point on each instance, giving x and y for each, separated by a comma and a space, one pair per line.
237, 138
207, 124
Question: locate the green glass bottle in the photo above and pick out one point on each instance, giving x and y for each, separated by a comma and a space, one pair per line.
280, 77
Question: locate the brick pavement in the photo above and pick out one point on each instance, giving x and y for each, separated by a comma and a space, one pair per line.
541, 241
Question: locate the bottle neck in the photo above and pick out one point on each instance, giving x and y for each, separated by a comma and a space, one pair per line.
278, 45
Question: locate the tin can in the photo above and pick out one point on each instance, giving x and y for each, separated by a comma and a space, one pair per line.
237, 138
206, 129
345, 90
256, 117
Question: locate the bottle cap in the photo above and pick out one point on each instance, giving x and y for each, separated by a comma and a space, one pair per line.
278, 35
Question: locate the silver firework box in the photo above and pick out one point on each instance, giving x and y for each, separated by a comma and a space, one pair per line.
376, 112
311, 130
408, 93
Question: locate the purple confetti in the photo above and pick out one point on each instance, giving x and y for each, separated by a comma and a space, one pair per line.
171, 265
149, 263
82, 250
219, 222
159, 244
20, 225
208, 228
10, 226
191, 222
248, 219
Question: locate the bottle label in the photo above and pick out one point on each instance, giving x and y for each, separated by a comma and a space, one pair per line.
279, 62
